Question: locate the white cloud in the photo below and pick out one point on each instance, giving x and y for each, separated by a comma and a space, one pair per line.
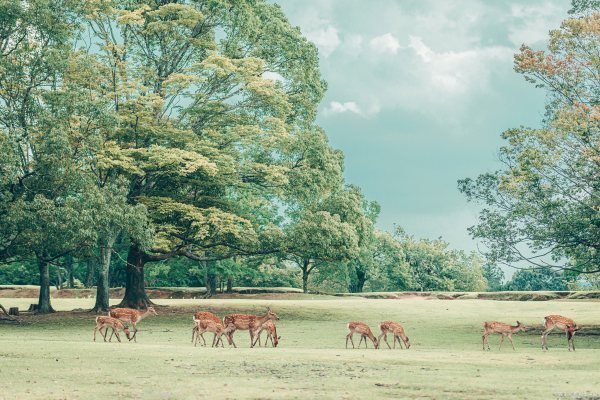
386, 43
458, 71
335, 107
353, 43
326, 39
530, 23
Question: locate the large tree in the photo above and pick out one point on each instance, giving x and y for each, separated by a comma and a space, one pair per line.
543, 207
207, 97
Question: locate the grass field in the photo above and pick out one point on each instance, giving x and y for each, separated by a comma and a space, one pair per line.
54, 357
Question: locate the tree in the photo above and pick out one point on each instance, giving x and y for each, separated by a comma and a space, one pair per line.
201, 132
494, 277
543, 208
536, 279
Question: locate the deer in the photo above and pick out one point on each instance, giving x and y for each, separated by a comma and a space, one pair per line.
104, 322
217, 328
203, 315
252, 323
362, 329
565, 324
396, 329
505, 330
129, 315
271, 330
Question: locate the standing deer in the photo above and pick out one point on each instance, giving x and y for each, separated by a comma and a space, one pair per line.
217, 328
104, 322
129, 315
396, 329
565, 324
505, 330
271, 330
252, 323
362, 329
203, 315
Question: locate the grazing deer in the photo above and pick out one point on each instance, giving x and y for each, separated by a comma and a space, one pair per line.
129, 315
271, 330
362, 329
217, 328
396, 329
565, 324
252, 323
505, 330
104, 322
203, 315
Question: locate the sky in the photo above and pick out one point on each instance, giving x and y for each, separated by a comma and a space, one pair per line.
419, 92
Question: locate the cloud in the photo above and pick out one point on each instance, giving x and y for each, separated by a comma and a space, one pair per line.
455, 72
326, 39
386, 43
530, 23
274, 76
335, 107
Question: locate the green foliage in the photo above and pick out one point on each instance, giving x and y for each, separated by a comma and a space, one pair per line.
544, 206
537, 279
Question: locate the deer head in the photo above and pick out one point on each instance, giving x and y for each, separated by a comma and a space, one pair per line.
151, 310
271, 315
521, 326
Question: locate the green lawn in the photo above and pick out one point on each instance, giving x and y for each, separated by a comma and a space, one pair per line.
54, 357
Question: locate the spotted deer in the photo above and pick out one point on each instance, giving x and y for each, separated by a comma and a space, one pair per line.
203, 315
565, 324
249, 322
271, 330
396, 329
104, 322
217, 328
129, 315
503, 329
362, 329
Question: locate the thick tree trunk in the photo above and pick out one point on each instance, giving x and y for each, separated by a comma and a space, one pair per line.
90, 272
305, 273
229, 284
135, 293
210, 281
102, 285
44, 306
358, 283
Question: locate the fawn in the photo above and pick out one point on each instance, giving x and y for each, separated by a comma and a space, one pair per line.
396, 329
362, 329
271, 330
203, 315
252, 323
130, 315
217, 328
104, 322
505, 330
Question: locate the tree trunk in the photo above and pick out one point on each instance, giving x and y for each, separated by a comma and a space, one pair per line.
59, 279
89, 276
305, 273
358, 283
44, 306
229, 284
210, 281
69, 267
102, 285
135, 293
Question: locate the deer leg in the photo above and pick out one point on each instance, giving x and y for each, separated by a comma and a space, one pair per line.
545, 338
483, 340
511, 341
111, 334
134, 332
349, 336
95, 329
194, 332
360, 341
384, 334
501, 341
573, 340
117, 335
